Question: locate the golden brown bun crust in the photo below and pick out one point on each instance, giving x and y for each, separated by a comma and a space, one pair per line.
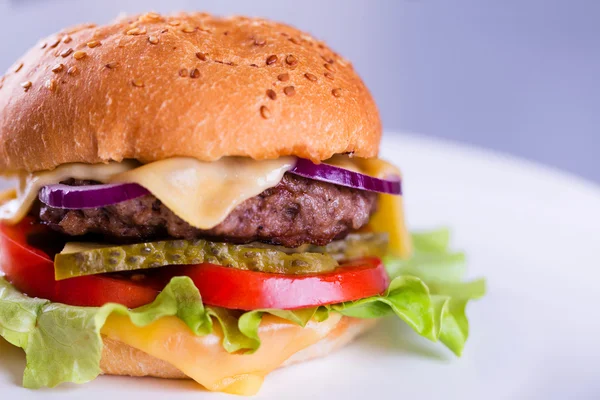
121, 359
150, 87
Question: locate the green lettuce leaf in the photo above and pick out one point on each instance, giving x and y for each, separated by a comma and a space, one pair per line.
63, 343
432, 259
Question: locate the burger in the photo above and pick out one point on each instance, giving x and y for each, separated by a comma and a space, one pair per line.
201, 197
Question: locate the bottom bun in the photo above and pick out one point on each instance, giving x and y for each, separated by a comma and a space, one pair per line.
121, 359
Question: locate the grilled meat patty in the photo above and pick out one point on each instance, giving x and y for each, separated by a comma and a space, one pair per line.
295, 212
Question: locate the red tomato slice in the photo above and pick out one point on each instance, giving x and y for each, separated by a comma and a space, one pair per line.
249, 290
32, 272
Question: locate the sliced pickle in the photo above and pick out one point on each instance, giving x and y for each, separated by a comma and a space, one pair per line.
80, 259
358, 245
355, 245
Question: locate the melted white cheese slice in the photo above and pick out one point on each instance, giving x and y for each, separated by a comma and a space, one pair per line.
204, 193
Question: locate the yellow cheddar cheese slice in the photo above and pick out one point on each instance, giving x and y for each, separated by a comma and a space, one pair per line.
389, 218
204, 359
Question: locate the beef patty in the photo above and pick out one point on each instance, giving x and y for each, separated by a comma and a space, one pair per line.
296, 211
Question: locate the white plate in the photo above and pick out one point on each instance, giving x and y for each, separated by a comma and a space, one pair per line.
534, 233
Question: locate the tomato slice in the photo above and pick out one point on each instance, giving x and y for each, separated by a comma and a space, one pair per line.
32, 272
249, 290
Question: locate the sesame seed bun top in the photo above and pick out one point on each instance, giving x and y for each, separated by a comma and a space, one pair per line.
150, 87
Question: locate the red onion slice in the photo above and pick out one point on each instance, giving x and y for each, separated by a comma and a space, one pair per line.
94, 196
343, 177
91, 196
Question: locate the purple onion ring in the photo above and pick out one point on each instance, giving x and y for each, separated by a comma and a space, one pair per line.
92, 196
343, 177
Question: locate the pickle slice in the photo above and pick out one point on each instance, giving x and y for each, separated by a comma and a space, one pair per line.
355, 245
80, 259
358, 245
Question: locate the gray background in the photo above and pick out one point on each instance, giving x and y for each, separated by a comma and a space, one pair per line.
519, 76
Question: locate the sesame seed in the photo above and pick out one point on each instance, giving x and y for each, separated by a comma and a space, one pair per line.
271, 94
201, 56
264, 112
188, 29
294, 40
284, 77
43, 45
328, 67
26, 85
112, 65
310, 77
150, 17
78, 55
57, 68
328, 60
18, 67
260, 42
289, 91
174, 22
254, 65
136, 31
73, 70
337, 92
93, 43
137, 83
153, 39
272, 59
183, 72
195, 73
50, 85
329, 75
67, 39
291, 60
66, 53
53, 45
